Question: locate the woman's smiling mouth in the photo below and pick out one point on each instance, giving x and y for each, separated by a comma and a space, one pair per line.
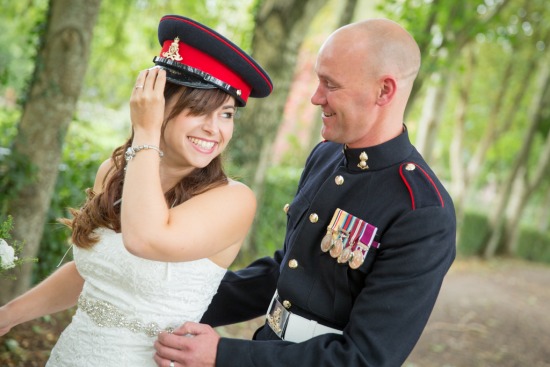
202, 144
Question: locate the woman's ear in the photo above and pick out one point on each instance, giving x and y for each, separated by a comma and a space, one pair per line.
388, 89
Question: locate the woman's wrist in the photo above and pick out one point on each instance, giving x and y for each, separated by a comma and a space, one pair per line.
7, 315
146, 136
134, 149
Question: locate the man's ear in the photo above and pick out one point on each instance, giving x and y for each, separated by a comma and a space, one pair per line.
388, 89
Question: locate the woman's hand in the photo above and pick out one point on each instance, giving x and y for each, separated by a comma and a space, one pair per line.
147, 103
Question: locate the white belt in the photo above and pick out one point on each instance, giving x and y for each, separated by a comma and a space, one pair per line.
291, 327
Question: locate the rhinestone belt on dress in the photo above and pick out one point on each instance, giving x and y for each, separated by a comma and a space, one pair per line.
105, 314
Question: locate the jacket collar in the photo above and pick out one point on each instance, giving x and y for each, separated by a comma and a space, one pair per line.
380, 156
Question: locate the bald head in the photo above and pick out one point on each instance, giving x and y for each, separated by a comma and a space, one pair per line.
380, 46
366, 72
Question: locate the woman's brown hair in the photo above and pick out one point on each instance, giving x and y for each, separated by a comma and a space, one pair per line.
103, 209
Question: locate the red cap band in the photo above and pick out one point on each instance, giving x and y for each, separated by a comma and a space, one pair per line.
197, 59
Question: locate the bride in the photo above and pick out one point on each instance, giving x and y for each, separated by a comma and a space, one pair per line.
162, 222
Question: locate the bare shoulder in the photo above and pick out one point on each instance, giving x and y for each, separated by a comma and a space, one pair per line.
236, 185
233, 198
101, 175
234, 193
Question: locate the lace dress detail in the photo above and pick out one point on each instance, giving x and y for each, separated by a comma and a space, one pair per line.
126, 301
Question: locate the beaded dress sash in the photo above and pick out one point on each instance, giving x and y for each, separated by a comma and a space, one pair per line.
105, 314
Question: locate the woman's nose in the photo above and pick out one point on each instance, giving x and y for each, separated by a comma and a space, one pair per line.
209, 124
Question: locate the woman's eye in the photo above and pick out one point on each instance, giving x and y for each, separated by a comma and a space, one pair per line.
228, 115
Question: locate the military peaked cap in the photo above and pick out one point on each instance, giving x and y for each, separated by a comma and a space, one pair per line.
196, 56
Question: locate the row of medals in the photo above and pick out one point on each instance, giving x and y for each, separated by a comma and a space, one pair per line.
333, 242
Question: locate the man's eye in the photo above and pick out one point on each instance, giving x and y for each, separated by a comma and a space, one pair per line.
330, 85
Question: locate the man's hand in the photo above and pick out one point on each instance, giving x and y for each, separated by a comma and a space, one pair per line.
191, 344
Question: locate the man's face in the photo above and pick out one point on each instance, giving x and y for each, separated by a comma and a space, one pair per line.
346, 93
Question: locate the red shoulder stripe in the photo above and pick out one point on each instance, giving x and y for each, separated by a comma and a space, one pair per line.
409, 188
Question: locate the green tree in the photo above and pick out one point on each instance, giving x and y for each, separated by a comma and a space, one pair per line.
50, 105
280, 29
481, 83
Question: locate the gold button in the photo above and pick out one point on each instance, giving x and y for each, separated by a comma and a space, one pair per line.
286, 207
287, 304
313, 218
293, 264
339, 180
410, 167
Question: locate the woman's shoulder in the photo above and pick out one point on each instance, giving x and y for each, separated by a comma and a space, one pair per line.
236, 189
101, 175
234, 183
232, 196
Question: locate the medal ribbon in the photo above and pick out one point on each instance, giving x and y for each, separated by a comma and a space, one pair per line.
336, 219
367, 236
355, 230
344, 221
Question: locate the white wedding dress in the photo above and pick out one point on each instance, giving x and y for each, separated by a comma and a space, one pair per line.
126, 301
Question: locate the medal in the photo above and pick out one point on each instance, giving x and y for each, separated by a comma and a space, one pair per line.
345, 255
336, 250
339, 244
363, 245
356, 259
348, 239
327, 241
356, 227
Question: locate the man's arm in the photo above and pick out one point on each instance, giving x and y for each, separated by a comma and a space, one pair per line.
244, 294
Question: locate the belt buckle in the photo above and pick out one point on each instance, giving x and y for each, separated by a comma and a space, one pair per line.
277, 318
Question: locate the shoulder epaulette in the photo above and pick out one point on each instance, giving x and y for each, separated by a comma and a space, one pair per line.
421, 186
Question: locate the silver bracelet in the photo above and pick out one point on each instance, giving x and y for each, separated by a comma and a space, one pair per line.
131, 151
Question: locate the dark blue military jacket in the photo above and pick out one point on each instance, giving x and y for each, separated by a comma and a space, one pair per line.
383, 305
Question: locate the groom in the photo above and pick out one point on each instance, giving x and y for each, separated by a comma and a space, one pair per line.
370, 234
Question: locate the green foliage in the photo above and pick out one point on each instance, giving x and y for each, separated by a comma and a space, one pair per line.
281, 184
6, 226
474, 231
20, 29
534, 245
15, 169
82, 155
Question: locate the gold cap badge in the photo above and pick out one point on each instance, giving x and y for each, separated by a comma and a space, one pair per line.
173, 52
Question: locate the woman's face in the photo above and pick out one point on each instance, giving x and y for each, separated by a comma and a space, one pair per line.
194, 141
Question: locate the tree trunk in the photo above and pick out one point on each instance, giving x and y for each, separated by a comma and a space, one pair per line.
543, 216
58, 76
424, 40
432, 113
498, 217
529, 184
499, 119
458, 172
348, 12
279, 32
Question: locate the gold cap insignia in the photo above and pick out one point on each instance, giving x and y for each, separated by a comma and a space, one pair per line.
173, 52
